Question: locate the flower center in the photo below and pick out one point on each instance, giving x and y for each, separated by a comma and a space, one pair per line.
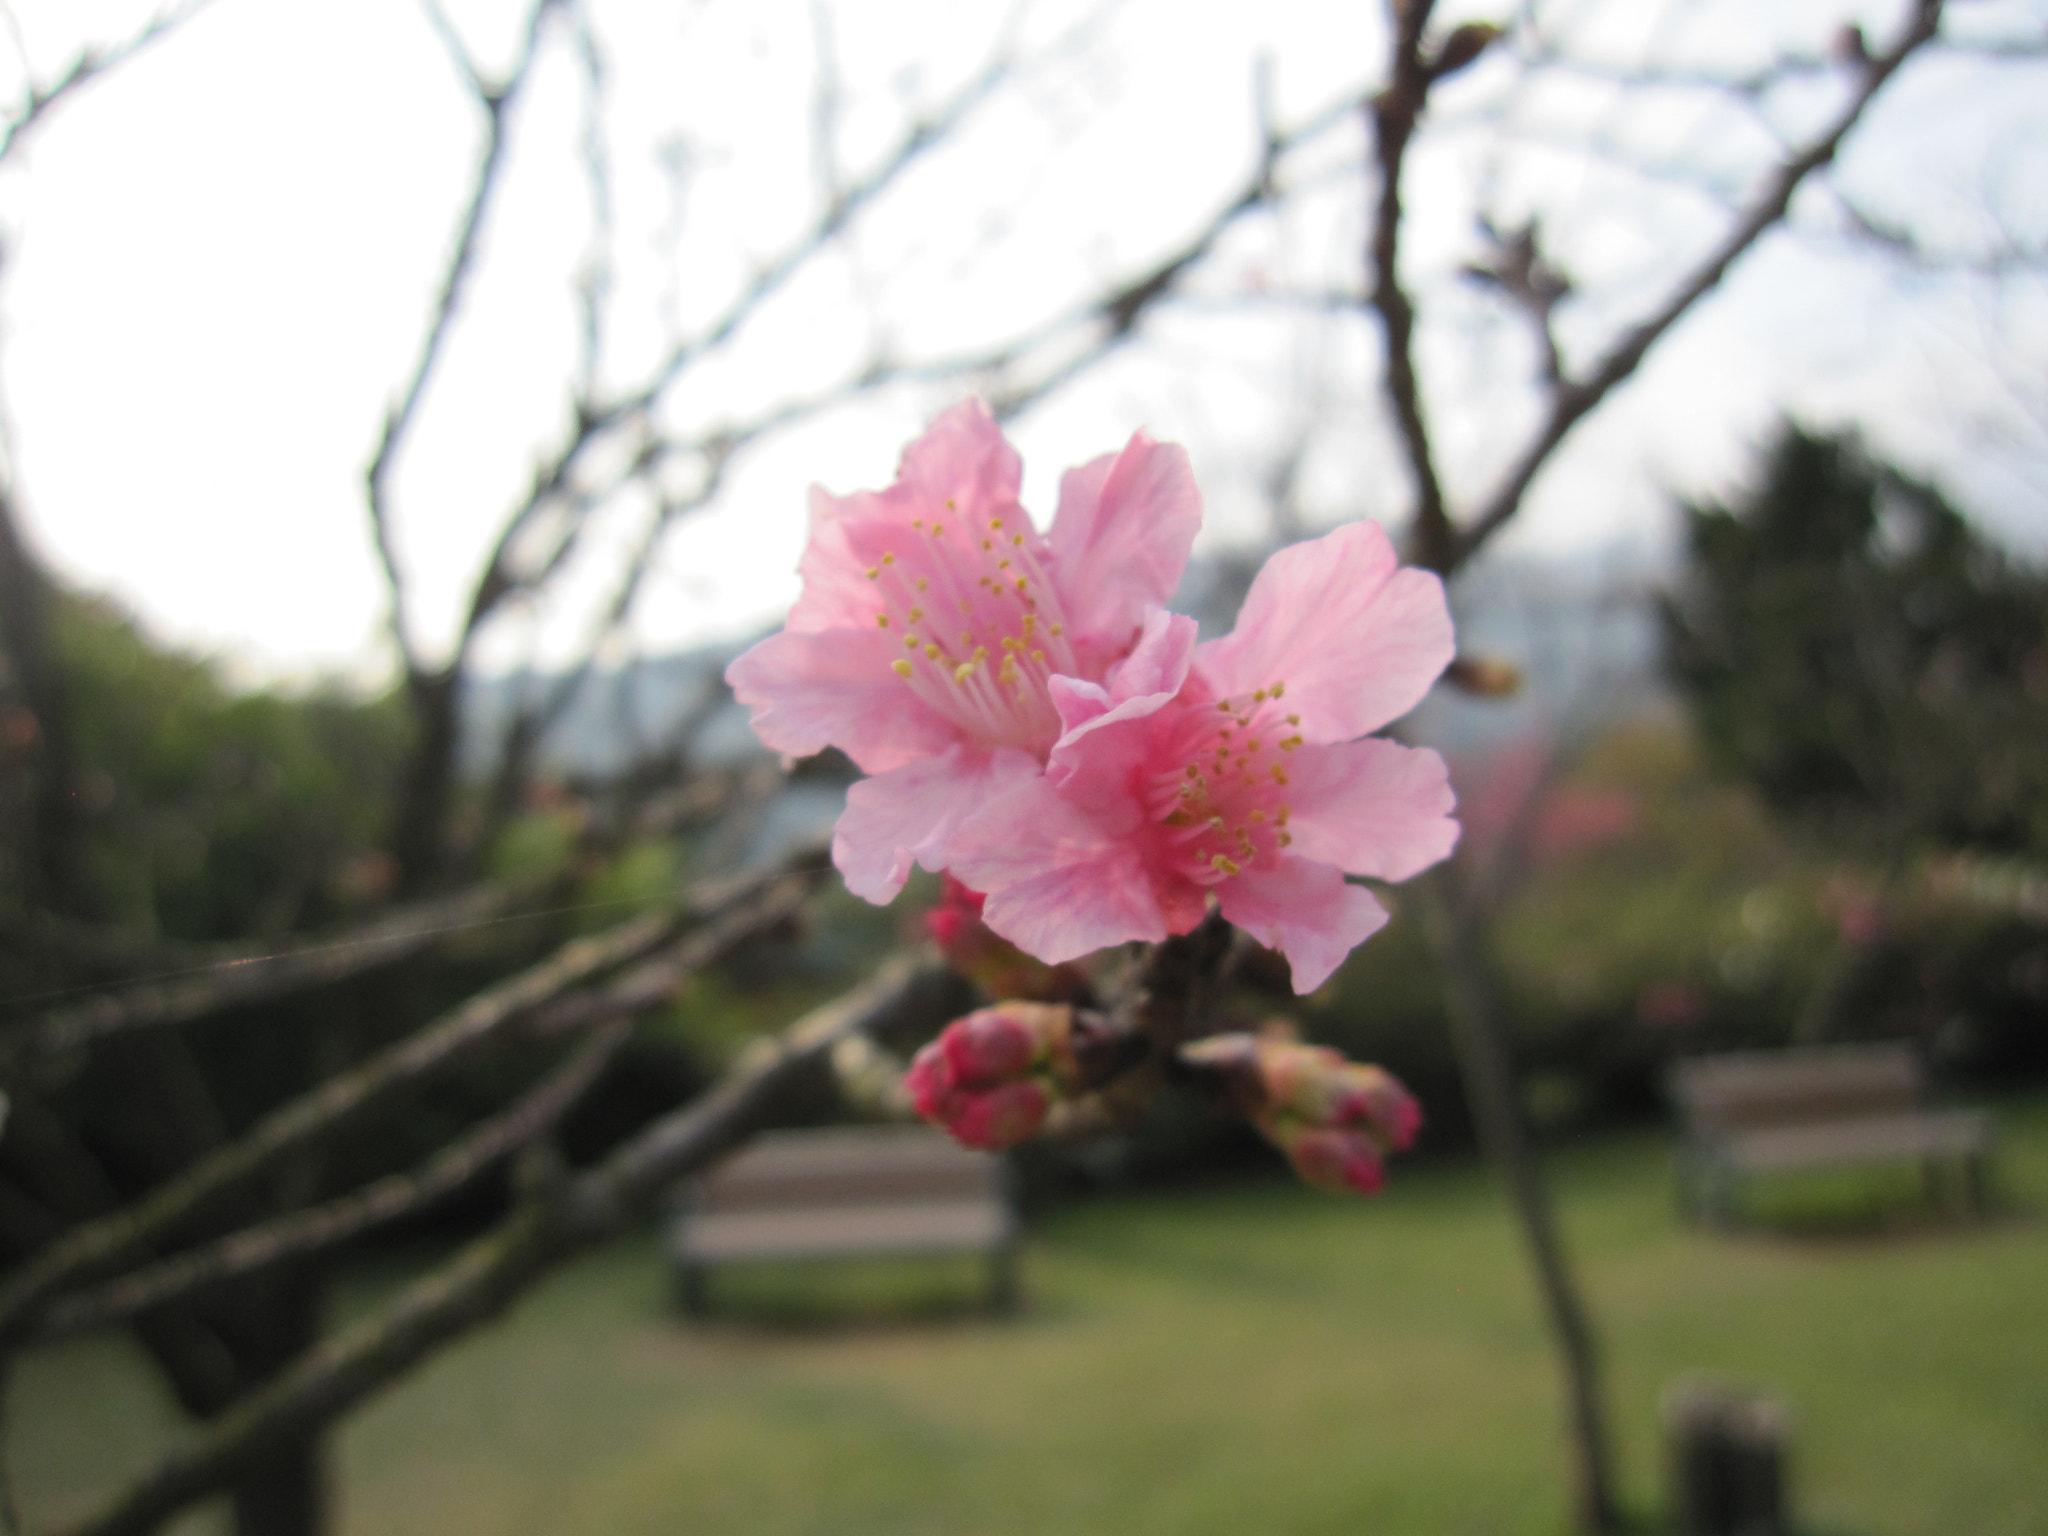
1223, 807
981, 624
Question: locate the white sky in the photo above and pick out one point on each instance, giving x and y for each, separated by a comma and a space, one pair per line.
220, 258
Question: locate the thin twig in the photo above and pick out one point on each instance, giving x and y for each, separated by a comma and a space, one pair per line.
1577, 398
89, 65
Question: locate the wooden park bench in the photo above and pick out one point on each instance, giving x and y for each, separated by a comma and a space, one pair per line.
1764, 1112
857, 1192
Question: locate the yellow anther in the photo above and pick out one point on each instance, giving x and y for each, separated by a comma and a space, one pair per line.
922, 583
1017, 540
1280, 818
1030, 623
1021, 582
938, 529
1224, 705
1228, 865
966, 638
874, 573
1216, 823
1179, 819
1279, 774
917, 522
911, 642
887, 558
988, 544
1294, 719
882, 620
1002, 565
1059, 629
1258, 815
916, 614
951, 506
1286, 838
1252, 745
1193, 771
996, 524
1259, 697
931, 651
1037, 655
1278, 689
900, 667
964, 671
1290, 743
980, 651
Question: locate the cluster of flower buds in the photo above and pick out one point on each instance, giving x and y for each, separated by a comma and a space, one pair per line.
992, 1077
991, 962
1335, 1119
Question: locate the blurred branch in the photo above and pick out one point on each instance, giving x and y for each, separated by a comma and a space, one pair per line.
1577, 397
298, 1233
555, 1221
730, 916
265, 976
1393, 113
496, 99
90, 63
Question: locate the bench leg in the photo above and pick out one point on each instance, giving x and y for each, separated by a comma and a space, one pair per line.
693, 1290
1004, 1292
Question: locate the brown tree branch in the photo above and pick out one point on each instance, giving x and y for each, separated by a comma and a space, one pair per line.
262, 977
1578, 397
298, 1233
552, 1224
729, 918
496, 101
89, 65
1394, 112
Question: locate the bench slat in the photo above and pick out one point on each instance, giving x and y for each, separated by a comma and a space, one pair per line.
1885, 1138
849, 1230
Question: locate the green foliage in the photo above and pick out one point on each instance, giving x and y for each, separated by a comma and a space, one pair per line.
215, 814
1850, 645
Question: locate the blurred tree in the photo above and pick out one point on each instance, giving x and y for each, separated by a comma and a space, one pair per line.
1849, 644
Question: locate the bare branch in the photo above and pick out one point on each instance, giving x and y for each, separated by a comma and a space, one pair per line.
496, 102
1394, 113
1578, 397
729, 918
91, 63
265, 976
298, 1233
553, 1224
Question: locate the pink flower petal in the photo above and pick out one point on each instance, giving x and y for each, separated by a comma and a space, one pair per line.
1125, 525
1304, 910
1059, 886
1355, 639
811, 691
1371, 807
912, 813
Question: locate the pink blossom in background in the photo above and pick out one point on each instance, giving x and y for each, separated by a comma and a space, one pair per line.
1034, 721
935, 618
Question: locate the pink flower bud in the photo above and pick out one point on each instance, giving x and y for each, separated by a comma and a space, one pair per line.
993, 1045
1000, 1117
991, 1078
1332, 1158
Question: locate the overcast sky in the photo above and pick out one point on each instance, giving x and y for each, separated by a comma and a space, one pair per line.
220, 259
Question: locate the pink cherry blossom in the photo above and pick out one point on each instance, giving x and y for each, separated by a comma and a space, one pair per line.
936, 622
992, 1077
1231, 770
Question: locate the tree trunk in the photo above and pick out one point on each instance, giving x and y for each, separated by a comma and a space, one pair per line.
419, 834
1480, 1039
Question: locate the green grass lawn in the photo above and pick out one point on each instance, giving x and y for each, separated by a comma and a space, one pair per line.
1249, 1361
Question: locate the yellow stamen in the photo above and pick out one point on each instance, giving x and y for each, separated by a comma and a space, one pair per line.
900, 667
1229, 866
916, 614
882, 619
1278, 689
1294, 719
1290, 743
1279, 774
1286, 839
874, 573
